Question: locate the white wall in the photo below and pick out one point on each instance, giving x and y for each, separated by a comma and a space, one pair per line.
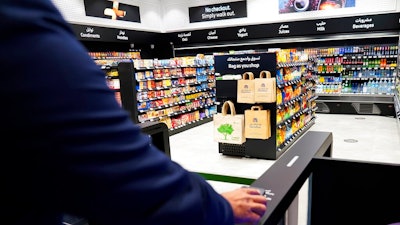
173, 15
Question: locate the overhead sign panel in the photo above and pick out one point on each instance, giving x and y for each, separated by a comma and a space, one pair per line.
367, 23
229, 10
112, 10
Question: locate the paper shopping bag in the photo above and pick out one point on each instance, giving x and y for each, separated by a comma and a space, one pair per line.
265, 88
229, 128
245, 88
257, 123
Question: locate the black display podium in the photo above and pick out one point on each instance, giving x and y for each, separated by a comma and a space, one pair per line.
288, 174
354, 192
226, 90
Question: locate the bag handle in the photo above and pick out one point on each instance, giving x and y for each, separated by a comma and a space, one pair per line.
256, 107
265, 74
248, 76
228, 105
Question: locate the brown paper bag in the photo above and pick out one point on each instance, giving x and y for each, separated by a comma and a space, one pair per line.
229, 128
265, 88
245, 88
257, 123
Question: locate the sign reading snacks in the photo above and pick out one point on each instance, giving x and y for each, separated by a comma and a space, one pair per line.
222, 11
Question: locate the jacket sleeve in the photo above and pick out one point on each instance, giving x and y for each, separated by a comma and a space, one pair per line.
80, 152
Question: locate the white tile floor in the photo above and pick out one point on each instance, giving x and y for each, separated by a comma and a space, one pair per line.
356, 137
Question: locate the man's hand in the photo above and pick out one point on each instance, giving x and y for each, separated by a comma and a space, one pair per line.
247, 203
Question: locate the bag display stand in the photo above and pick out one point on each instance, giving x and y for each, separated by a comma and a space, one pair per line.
227, 90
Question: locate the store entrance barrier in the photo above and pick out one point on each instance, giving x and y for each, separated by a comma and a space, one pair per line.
158, 132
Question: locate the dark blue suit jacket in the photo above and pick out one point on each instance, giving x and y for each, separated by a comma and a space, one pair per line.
68, 147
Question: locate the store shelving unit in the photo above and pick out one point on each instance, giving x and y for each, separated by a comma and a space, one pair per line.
181, 95
357, 79
297, 120
110, 62
296, 110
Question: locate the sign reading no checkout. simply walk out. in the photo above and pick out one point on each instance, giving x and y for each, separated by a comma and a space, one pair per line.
223, 11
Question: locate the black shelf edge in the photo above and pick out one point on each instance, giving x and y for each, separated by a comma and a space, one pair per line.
189, 126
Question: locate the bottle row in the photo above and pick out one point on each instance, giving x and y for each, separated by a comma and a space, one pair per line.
371, 75
341, 68
362, 50
386, 87
365, 61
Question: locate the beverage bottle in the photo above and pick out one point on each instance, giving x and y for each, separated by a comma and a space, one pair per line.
390, 87
368, 85
364, 88
380, 87
371, 87
385, 87
344, 89
376, 87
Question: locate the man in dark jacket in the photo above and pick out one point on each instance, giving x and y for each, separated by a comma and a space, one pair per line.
68, 147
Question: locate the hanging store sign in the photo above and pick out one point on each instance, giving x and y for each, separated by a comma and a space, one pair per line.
284, 29
363, 23
371, 23
89, 33
112, 10
93, 33
238, 64
299, 6
354, 24
229, 10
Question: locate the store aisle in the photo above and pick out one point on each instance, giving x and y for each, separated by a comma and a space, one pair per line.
362, 137
355, 137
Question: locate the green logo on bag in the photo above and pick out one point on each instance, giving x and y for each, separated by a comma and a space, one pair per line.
225, 129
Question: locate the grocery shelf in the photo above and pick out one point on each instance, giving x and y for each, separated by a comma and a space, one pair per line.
357, 97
